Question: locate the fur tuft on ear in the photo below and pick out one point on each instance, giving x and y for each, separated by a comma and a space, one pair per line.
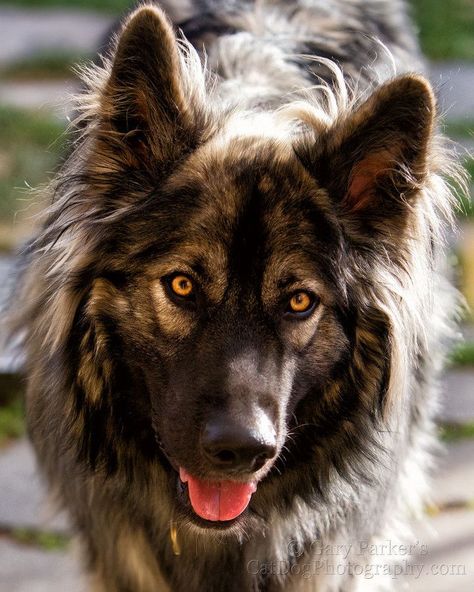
375, 160
144, 99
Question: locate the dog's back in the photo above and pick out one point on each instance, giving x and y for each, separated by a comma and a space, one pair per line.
257, 42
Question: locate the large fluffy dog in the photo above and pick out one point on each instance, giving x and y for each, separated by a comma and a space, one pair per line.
232, 311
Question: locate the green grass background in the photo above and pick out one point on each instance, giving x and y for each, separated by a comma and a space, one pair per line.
30, 145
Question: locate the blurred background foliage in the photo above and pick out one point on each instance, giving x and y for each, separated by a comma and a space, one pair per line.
446, 28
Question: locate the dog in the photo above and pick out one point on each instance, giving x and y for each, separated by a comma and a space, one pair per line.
234, 312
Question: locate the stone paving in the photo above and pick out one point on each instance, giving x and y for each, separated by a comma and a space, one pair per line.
24, 503
448, 563
48, 96
454, 84
457, 404
28, 32
449, 536
8, 360
28, 569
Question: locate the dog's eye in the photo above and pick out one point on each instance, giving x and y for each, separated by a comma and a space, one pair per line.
302, 304
182, 286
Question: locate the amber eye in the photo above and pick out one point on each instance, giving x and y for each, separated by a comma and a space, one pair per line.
301, 303
182, 286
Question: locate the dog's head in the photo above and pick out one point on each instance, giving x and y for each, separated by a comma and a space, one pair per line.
234, 300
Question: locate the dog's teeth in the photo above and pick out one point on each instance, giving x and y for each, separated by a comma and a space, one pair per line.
183, 475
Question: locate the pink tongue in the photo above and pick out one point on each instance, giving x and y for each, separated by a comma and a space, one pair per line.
217, 500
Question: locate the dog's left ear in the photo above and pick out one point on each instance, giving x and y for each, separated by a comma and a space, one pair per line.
374, 161
144, 102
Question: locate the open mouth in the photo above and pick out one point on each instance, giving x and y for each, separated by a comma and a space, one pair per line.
217, 501
213, 503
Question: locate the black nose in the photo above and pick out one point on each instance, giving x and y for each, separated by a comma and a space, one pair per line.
233, 447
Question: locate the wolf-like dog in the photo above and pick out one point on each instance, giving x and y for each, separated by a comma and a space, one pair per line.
233, 312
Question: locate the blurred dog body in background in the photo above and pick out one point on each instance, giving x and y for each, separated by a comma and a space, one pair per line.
233, 311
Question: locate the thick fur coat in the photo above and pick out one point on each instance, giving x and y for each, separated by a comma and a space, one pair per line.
264, 150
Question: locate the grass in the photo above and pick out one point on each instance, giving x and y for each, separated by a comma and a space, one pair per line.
12, 424
47, 65
469, 165
466, 207
459, 129
466, 203
107, 6
49, 541
453, 432
29, 151
445, 28
12, 414
463, 355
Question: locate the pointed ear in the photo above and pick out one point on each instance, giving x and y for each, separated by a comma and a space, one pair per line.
374, 161
144, 100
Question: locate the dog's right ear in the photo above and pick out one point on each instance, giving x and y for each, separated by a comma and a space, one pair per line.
374, 160
144, 103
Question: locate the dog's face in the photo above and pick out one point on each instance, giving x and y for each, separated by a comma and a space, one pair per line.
238, 259
235, 311
239, 314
